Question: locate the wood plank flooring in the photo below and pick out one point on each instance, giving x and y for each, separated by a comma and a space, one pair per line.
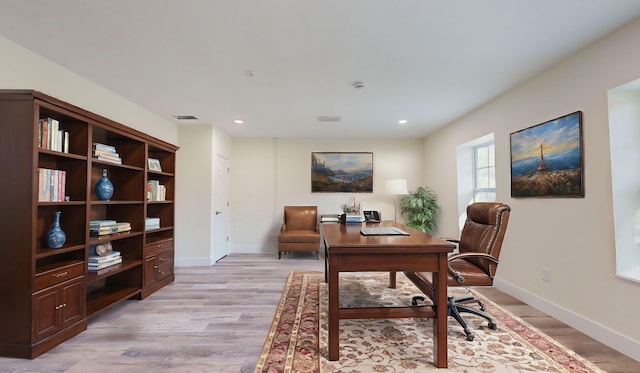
215, 319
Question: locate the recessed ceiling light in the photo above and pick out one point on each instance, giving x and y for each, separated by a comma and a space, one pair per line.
402, 121
185, 117
238, 121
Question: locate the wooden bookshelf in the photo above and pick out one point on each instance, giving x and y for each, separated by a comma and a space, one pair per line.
51, 291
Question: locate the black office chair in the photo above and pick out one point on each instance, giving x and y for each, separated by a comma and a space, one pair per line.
475, 263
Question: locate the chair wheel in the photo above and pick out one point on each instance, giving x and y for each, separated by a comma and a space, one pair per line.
470, 337
414, 301
493, 326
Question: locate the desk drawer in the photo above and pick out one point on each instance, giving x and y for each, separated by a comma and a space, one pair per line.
154, 247
57, 275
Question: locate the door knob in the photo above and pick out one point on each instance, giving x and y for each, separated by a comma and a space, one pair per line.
218, 212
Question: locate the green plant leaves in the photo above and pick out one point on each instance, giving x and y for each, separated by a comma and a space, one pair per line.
420, 209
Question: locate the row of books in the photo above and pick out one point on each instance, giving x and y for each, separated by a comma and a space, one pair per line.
51, 185
100, 262
151, 223
107, 153
51, 137
156, 191
99, 228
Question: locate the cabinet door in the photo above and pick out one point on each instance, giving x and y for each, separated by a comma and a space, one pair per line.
150, 269
165, 265
45, 312
73, 298
57, 307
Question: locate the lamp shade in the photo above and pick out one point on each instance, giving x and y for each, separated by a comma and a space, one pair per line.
396, 186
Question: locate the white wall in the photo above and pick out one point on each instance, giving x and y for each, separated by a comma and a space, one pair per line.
572, 237
267, 174
195, 188
22, 69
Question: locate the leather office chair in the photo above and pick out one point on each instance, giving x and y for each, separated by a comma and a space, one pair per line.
300, 231
476, 261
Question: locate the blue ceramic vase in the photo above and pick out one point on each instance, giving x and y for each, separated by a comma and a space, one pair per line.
104, 187
56, 236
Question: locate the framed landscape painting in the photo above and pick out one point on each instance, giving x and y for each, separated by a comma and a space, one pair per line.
547, 159
341, 172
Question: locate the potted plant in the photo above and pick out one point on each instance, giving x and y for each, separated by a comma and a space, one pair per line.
420, 208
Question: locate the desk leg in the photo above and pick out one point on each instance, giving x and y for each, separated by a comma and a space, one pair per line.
334, 300
392, 280
440, 323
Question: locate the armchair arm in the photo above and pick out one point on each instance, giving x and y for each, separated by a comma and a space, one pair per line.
453, 257
283, 228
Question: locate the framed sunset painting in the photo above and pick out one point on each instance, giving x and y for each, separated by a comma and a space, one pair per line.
547, 159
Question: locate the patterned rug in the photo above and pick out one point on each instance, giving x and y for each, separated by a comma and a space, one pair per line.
297, 340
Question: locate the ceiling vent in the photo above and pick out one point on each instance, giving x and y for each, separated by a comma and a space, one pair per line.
328, 118
184, 117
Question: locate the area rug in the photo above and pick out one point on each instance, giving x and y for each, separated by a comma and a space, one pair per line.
297, 340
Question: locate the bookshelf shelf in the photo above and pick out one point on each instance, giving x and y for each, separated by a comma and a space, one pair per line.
112, 270
100, 300
56, 154
46, 252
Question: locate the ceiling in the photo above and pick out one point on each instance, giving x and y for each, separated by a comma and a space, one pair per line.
280, 65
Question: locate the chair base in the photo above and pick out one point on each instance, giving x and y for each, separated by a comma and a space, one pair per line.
456, 306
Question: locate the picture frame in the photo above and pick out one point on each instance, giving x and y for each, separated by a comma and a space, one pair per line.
154, 164
342, 172
547, 160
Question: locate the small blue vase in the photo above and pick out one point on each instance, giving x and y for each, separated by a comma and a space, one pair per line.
104, 187
56, 236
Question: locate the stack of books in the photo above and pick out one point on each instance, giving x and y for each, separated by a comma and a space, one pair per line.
99, 228
106, 153
100, 262
156, 191
151, 223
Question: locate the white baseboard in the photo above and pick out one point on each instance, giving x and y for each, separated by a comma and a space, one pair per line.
602, 334
253, 250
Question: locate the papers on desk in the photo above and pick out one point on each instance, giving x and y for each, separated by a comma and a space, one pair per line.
383, 231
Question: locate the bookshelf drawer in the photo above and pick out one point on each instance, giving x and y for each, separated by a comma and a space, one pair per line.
154, 247
57, 275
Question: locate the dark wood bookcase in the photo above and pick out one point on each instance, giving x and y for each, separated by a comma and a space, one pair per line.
49, 293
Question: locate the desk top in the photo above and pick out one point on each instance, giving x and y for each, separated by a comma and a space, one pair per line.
342, 236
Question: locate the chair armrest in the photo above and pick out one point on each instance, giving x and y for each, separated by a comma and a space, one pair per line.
475, 255
453, 257
283, 228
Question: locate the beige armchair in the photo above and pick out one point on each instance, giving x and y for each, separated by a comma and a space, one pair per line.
300, 231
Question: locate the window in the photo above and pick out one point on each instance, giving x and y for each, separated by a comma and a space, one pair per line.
476, 170
484, 173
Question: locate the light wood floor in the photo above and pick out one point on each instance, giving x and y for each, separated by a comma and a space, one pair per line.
215, 319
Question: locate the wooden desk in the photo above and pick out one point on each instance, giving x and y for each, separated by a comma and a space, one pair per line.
346, 250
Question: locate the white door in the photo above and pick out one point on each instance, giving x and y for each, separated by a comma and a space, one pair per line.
221, 213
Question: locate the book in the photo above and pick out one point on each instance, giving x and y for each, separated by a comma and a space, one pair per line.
104, 147
96, 266
101, 158
95, 259
102, 223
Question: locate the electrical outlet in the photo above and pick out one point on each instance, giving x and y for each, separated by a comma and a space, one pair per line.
546, 274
